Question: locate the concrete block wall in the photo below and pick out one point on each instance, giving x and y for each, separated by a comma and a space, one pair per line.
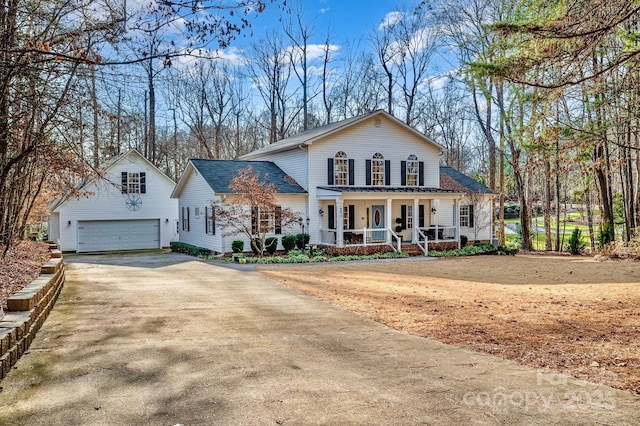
28, 309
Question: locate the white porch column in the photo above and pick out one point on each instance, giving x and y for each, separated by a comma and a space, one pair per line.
340, 223
416, 220
388, 219
456, 219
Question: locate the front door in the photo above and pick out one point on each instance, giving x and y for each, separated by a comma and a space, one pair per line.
377, 222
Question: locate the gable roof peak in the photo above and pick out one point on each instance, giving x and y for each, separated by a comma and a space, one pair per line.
309, 136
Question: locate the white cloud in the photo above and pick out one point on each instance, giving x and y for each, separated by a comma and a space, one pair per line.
314, 51
390, 19
324, 10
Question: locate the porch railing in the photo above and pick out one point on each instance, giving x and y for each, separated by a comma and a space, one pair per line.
361, 237
423, 242
437, 233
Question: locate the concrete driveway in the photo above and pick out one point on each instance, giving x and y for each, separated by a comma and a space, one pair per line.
164, 339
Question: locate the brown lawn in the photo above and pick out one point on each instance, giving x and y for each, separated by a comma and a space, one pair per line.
570, 314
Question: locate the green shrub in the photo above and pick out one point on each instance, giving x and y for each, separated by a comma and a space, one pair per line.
575, 245
179, 247
606, 234
463, 240
237, 246
271, 245
288, 242
302, 240
471, 250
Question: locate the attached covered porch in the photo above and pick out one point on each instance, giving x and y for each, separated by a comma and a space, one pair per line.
388, 216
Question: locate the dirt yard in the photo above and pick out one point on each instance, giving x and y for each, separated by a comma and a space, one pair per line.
574, 315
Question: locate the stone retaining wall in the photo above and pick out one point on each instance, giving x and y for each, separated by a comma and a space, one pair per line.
27, 311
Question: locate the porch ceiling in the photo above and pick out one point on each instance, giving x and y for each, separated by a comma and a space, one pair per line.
387, 189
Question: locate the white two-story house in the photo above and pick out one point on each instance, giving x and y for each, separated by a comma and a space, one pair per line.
368, 180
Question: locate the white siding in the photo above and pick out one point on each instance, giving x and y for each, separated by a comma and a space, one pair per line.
293, 163
54, 227
196, 193
296, 203
363, 140
482, 218
106, 202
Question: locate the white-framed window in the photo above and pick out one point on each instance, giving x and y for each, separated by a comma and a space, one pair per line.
413, 170
377, 170
409, 217
134, 183
345, 217
266, 221
464, 216
210, 218
185, 219
340, 169
196, 212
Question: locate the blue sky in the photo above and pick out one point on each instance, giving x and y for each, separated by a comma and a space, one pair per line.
348, 19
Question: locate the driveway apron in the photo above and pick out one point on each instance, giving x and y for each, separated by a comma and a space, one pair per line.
165, 339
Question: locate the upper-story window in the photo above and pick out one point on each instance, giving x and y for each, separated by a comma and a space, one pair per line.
134, 183
413, 170
377, 170
341, 169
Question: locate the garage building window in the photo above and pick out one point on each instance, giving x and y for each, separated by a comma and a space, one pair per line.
134, 183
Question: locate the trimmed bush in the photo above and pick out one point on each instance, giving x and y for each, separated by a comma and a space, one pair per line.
463, 240
288, 242
302, 240
237, 246
178, 247
271, 245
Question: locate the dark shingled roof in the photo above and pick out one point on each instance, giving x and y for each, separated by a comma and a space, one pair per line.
218, 174
462, 181
409, 189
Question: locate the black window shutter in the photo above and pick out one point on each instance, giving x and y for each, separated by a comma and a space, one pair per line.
387, 172
332, 216
403, 173
143, 183
470, 215
183, 216
213, 221
421, 173
188, 219
206, 219
254, 220
278, 220
124, 183
368, 171
352, 171
403, 216
330, 179
421, 215
352, 216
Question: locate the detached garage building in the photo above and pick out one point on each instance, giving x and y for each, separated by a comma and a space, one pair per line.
129, 208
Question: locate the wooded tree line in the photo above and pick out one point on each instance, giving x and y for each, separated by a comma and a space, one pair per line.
535, 98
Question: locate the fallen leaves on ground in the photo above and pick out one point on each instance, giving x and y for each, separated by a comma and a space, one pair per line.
568, 314
20, 266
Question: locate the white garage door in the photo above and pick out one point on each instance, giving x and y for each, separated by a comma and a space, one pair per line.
106, 235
